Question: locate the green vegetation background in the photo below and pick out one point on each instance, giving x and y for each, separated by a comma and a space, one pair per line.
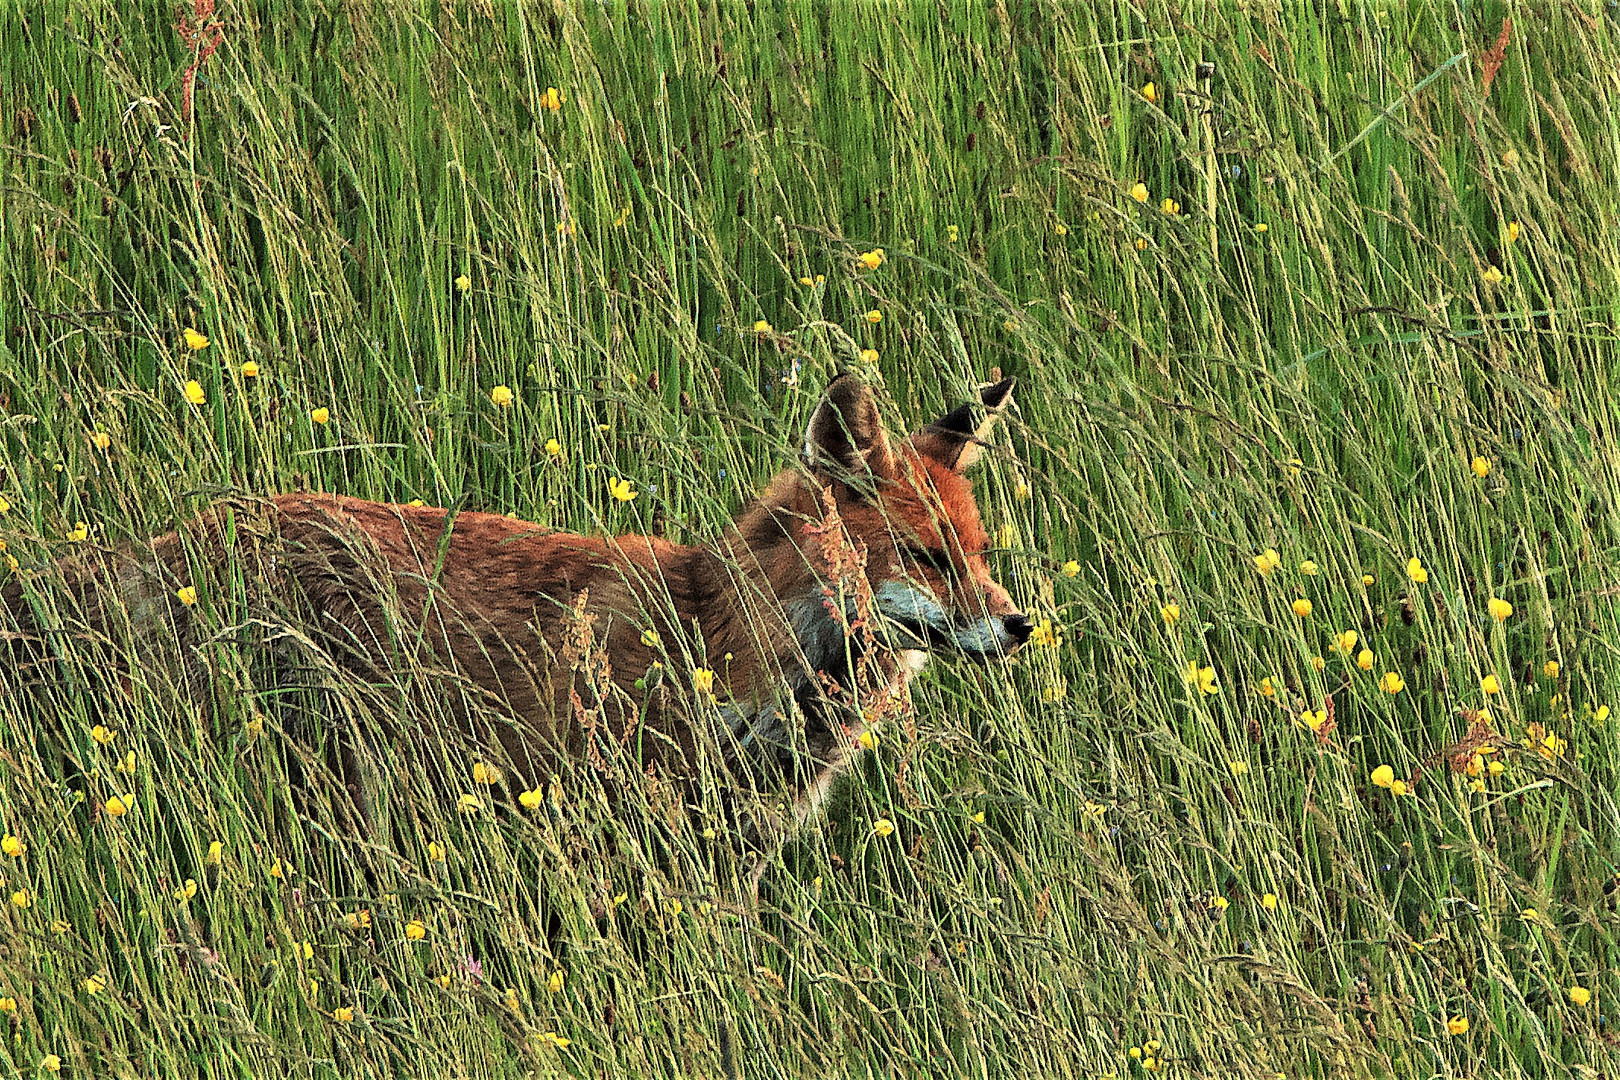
1306, 356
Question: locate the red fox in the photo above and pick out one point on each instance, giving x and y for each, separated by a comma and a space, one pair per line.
788, 632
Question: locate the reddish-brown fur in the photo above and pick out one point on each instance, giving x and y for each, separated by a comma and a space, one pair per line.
503, 603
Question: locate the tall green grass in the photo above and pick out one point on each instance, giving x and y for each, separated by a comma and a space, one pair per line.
1306, 358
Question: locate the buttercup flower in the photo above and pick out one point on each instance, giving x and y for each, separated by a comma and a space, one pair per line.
1580, 995
250, 370
1302, 607
1481, 466
883, 826
194, 341
321, 415
1490, 684
1415, 570
1151, 93
1345, 642
1365, 660
502, 396
1071, 569
13, 846
1492, 275
1267, 561
1391, 683
1383, 776
1170, 207
761, 327
1139, 192
187, 595
195, 393
621, 490
874, 316
415, 930
871, 260
1457, 1025
1500, 609
1550, 669
463, 282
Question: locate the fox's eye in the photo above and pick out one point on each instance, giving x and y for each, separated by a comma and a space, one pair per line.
934, 559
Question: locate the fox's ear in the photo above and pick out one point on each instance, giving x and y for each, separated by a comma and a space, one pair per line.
958, 438
845, 436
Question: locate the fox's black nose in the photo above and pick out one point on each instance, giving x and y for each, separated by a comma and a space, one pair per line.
1018, 628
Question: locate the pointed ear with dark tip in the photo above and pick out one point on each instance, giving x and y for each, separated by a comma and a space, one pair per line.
958, 438
845, 436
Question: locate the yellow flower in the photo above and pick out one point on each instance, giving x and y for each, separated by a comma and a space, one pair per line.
1415, 571
1150, 92
1061, 229
651, 639
675, 908
278, 870
553, 99
1317, 663
1203, 678
101, 440
874, 316
254, 727
21, 898
1602, 713
1140, 192
1045, 634
216, 852
1580, 995
1239, 768
867, 740
531, 799
80, 533
1171, 613
435, 851
554, 982
1500, 609
1308, 568
1365, 659
703, 680
1481, 466
1495, 768
415, 930
103, 735
1141, 244
195, 341
951, 233
1261, 227
1550, 669
343, 1014
1170, 207
622, 490
463, 283
1490, 684
1366, 579
1071, 569
1383, 776
1267, 561
1345, 642
1302, 607
554, 450
1391, 683
1457, 1025
8, 1004
194, 392
13, 846
1266, 689
1269, 901
1398, 787
444, 982
186, 891
250, 370
761, 326
187, 595
469, 804
1513, 232
883, 826
551, 1038
118, 805
502, 396
51, 1063
871, 260
485, 774
321, 415
1492, 275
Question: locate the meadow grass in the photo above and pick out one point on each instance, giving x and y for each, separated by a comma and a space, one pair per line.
1372, 270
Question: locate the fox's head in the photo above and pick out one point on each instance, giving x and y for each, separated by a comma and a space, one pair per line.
910, 505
